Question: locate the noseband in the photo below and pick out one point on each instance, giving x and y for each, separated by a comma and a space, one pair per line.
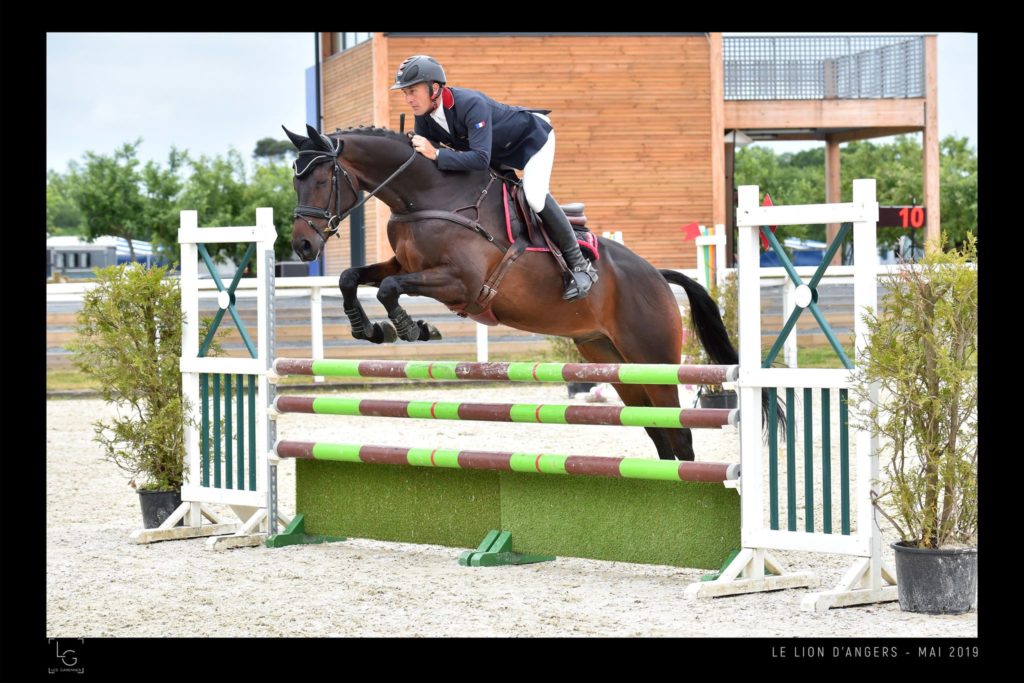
309, 159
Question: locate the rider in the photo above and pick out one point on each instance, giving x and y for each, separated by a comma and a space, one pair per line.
478, 132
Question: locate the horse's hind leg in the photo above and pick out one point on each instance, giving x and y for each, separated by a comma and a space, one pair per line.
657, 340
350, 279
437, 283
602, 350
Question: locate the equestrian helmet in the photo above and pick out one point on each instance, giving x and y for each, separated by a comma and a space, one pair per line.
418, 69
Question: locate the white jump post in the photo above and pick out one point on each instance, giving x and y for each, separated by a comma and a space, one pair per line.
233, 468
762, 532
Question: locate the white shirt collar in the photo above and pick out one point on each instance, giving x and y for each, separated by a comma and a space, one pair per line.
438, 115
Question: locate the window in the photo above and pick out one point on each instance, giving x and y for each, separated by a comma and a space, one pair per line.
59, 260
344, 41
84, 260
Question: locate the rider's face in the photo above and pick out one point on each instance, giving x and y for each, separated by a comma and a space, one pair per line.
418, 98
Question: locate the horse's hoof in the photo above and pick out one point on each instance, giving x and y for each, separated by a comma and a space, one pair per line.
405, 327
387, 331
382, 333
427, 331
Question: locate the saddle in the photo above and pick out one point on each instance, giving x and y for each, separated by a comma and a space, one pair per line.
525, 222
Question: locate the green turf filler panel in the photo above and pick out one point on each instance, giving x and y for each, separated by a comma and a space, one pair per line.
684, 524
393, 503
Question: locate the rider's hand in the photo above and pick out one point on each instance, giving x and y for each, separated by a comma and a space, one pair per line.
423, 146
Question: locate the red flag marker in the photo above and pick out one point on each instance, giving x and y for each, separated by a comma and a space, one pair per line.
690, 231
764, 240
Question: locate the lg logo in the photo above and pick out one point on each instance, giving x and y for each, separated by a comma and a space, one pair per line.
67, 657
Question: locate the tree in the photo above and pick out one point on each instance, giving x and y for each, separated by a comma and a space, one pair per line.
959, 183
63, 217
799, 179
107, 193
896, 167
220, 191
161, 190
272, 186
788, 178
272, 150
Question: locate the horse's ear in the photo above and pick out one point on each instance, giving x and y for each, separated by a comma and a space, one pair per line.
321, 141
297, 140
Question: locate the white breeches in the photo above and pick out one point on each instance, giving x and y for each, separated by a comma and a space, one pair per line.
537, 173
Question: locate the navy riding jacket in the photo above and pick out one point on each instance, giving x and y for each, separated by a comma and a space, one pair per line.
483, 132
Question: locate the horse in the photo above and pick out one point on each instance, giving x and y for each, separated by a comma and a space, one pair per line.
629, 316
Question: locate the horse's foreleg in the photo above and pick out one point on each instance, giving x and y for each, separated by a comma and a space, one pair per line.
362, 328
437, 283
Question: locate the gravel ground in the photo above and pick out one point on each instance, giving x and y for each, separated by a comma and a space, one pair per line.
100, 584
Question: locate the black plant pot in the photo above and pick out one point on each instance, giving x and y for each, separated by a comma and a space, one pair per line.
724, 399
580, 387
158, 506
936, 581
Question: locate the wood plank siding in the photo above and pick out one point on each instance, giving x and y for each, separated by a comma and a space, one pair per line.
348, 100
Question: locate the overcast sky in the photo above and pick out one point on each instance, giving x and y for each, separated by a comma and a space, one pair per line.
206, 92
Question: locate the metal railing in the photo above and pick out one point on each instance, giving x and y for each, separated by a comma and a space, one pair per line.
823, 67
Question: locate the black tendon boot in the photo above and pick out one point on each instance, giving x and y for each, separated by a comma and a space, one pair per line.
583, 273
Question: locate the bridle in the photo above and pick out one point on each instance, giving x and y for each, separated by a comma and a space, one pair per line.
309, 159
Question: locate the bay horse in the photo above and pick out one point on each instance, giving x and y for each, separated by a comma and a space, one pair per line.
630, 315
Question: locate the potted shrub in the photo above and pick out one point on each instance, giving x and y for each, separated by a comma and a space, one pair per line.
129, 341
923, 355
714, 395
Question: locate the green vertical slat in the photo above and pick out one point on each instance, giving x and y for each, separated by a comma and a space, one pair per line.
228, 433
844, 459
808, 461
773, 457
216, 431
826, 462
791, 457
240, 429
252, 432
204, 427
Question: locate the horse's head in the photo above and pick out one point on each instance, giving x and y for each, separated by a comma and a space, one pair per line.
325, 190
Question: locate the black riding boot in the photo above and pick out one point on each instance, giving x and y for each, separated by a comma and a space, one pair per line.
584, 275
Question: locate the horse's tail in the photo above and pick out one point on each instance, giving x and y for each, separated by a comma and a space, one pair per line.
707, 321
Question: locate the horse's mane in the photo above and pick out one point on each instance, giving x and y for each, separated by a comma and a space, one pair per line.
373, 131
